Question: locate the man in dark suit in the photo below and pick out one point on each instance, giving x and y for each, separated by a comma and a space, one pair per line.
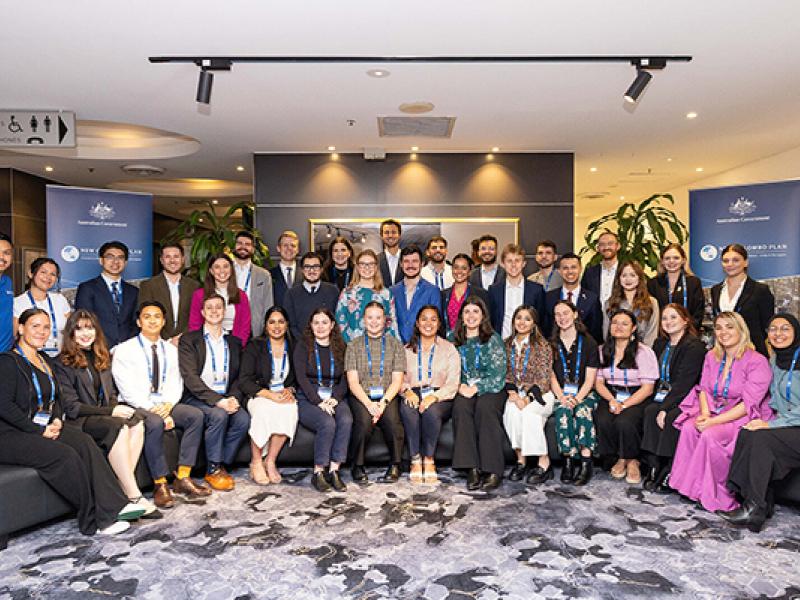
389, 259
114, 301
599, 278
172, 290
488, 272
586, 301
302, 300
515, 291
284, 274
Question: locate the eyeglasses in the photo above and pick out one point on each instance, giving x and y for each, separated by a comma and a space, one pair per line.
312, 267
367, 265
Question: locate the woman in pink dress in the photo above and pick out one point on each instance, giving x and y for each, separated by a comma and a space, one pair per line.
733, 390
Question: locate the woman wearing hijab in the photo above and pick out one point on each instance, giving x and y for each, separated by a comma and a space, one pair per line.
767, 451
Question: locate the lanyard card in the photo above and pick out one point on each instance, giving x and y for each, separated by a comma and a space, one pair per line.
376, 393
473, 380
662, 392
426, 391
276, 386
219, 387
621, 396
41, 418
570, 389
325, 392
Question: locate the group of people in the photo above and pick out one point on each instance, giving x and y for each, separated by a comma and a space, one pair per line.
403, 340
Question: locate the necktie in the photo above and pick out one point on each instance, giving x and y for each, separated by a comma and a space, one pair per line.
569, 297
314, 290
115, 295
154, 382
289, 276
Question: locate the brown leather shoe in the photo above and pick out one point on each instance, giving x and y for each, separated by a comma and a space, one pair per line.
162, 497
189, 488
220, 480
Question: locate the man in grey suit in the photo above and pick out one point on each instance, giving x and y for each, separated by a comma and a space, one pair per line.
172, 290
253, 280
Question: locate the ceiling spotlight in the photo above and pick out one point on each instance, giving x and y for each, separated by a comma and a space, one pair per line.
378, 73
363, 239
331, 148
699, 169
495, 149
593, 169
691, 115
215, 201
329, 233
49, 169
206, 79
638, 86
669, 159
414, 148
240, 168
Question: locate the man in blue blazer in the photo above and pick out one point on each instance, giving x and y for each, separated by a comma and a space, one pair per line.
505, 297
413, 292
284, 274
585, 300
113, 300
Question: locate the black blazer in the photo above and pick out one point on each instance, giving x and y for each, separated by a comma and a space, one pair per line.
256, 371
756, 305
471, 291
588, 305
192, 359
695, 299
94, 295
279, 286
77, 392
18, 396
384, 267
591, 278
532, 295
685, 367
476, 280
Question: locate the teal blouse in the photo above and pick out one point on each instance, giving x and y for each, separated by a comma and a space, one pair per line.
787, 409
491, 371
350, 311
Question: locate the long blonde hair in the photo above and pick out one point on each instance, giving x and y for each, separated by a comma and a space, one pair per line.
377, 282
744, 335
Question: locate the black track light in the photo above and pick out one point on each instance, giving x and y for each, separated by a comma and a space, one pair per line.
204, 86
638, 86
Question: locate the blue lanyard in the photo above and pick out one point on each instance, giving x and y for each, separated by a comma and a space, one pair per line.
791, 371
683, 285
369, 354
549, 277
150, 365
247, 281
577, 361
727, 379
319, 364
430, 362
36, 385
282, 374
463, 351
665, 364
624, 373
524, 363
214, 359
52, 312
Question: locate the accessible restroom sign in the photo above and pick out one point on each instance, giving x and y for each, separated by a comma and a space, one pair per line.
25, 127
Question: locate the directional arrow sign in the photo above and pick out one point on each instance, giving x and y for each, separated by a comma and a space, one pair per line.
25, 127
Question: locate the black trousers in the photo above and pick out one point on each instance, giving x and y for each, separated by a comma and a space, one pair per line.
478, 432
621, 434
761, 457
656, 441
390, 424
74, 466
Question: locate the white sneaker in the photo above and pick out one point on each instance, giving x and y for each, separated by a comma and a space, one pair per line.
145, 504
115, 528
130, 512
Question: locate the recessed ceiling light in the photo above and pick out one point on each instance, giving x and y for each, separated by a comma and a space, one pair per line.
593, 169
669, 160
691, 115
699, 169
331, 148
334, 156
495, 148
49, 169
413, 156
378, 73
622, 197
240, 168
414, 148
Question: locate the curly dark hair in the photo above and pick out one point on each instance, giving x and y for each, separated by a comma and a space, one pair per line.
485, 330
338, 344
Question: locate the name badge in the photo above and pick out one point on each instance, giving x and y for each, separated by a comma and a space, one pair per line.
661, 394
473, 380
570, 389
426, 391
219, 387
51, 344
375, 393
522, 392
276, 387
325, 392
622, 396
41, 418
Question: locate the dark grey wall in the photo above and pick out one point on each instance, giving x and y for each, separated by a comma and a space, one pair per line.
537, 188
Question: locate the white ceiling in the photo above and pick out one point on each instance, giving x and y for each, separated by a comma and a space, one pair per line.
90, 56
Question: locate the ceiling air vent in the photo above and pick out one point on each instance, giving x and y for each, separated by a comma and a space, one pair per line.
143, 170
432, 127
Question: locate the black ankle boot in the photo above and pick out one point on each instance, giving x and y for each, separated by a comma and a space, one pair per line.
585, 473
568, 470
473, 480
749, 515
650, 479
662, 483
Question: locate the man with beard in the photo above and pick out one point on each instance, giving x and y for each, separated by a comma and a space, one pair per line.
389, 259
172, 290
437, 271
253, 280
6, 294
488, 272
600, 278
586, 301
302, 300
547, 276
284, 274
412, 293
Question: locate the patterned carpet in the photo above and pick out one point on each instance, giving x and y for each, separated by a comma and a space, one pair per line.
609, 540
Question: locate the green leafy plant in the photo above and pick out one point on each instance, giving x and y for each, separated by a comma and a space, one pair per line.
643, 230
212, 233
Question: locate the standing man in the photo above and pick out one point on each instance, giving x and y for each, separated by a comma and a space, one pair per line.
302, 300
586, 301
6, 294
389, 259
488, 272
413, 292
113, 301
284, 274
253, 280
437, 271
600, 278
515, 291
547, 276
172, 290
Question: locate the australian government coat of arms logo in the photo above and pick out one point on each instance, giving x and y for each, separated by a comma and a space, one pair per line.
742, 206
102, 211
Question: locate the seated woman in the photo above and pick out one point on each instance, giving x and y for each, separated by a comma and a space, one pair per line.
221, 279
767, 451
89, 400
433, 372
32, 434
209, 361
322, 397
733, 389
680, 355
375, 363
575, 365
624, 384
530, 402
478, 406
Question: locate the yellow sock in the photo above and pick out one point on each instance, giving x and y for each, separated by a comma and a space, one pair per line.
184, 471
160, 480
